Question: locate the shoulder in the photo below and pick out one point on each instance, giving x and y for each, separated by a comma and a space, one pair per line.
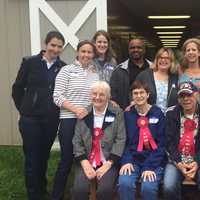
122, 66
171, 110
146, 73
62, 63
156, 111
70, 68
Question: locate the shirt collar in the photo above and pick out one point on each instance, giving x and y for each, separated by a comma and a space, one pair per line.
102, 114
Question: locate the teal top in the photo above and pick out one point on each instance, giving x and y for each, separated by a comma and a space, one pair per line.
185, 78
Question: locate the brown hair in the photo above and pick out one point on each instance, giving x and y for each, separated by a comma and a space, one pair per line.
54, 34
140, 85
109, 53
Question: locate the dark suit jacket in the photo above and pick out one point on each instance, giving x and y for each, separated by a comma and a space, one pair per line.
173, 126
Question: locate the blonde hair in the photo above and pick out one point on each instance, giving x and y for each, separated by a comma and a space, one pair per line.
102, 85
184, 63
173, 67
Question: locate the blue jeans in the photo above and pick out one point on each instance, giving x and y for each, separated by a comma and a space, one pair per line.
172, 182
149, 190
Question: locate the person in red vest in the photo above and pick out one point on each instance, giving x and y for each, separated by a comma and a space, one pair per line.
144, 156
98, 143
182, 141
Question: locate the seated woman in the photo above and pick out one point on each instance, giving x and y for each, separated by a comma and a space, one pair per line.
98, 143
144, 156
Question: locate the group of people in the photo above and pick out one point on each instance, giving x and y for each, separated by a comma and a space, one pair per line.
119, 123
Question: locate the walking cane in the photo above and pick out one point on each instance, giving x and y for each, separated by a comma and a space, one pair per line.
93, 187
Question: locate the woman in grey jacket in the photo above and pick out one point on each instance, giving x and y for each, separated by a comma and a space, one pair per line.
98, 145
162, 79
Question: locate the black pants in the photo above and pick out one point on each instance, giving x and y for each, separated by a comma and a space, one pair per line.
38, 136
105, 186
66, 133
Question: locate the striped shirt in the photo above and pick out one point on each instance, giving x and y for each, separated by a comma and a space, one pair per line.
73, 83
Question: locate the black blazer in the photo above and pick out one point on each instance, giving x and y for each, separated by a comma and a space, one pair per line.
147, 77
173, 126
33, 88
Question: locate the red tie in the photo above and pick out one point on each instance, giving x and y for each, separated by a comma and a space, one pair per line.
95, 154
145, 138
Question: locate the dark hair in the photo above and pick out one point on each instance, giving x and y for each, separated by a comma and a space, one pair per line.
140, 85
109, 53
83, 42
54, 34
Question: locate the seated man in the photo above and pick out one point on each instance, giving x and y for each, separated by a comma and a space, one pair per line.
182, 141
144, 155
98, 143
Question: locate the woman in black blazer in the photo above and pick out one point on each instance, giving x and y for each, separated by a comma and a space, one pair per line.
162, 79
39, 116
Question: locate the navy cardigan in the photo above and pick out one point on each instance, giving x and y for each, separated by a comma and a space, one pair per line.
147, 159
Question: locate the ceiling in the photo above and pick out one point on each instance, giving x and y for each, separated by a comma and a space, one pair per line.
133, 15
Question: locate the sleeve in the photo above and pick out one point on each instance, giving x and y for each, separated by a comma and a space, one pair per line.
127, 155
79, 149
171, 143
156, 158
120, 139
114, 82
197, 156
20, 84
61, 85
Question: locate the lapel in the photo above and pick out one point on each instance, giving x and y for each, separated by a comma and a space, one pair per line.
107, 118
89, 120
109, 115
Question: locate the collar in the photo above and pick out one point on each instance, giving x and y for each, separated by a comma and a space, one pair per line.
102, 114
49, 64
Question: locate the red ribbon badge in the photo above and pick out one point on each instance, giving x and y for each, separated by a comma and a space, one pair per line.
95, 155
145, 138
186, 143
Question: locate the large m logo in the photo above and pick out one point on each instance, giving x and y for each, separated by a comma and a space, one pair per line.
68, 31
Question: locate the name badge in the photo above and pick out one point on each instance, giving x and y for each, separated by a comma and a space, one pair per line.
109, 119
153, 120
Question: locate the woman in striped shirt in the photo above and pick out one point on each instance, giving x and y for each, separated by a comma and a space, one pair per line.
71, 94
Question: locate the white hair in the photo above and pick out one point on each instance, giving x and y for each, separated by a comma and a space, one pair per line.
102, 85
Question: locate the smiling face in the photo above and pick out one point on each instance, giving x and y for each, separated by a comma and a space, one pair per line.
188, 101
164, 61
136, 49
101, 44
99, 97
192, 53
85, 54
140, 96
53, 48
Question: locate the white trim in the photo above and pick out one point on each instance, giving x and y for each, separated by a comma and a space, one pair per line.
68, 31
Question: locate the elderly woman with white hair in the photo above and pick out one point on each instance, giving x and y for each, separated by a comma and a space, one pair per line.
98, 143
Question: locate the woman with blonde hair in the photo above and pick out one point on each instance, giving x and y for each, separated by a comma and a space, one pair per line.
190, 66
162, 79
